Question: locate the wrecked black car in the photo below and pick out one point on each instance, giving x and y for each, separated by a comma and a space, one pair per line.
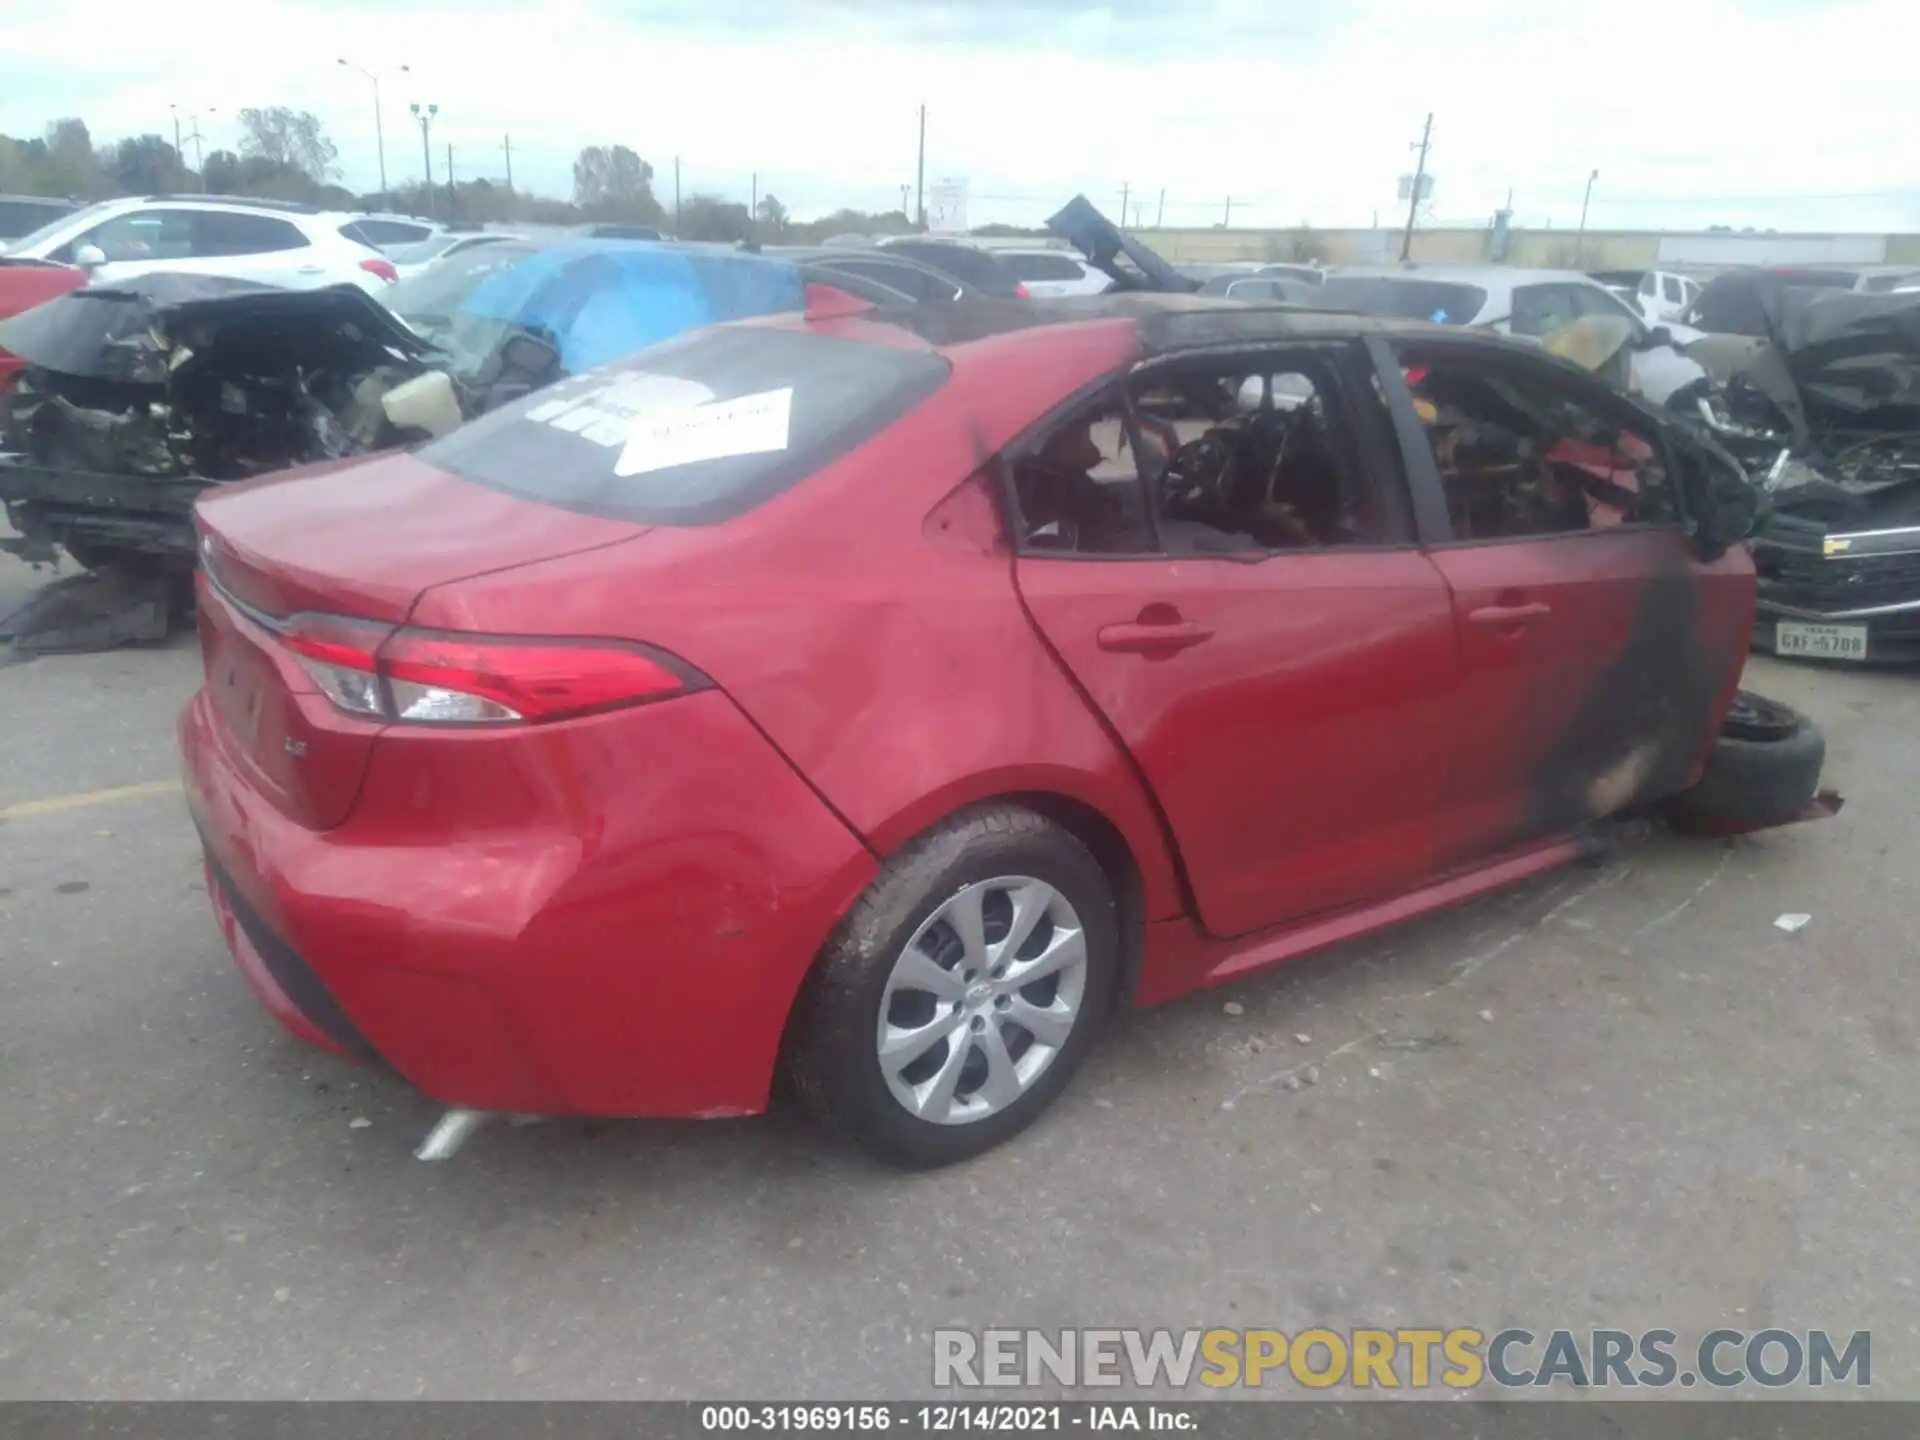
1825, 411
138, 396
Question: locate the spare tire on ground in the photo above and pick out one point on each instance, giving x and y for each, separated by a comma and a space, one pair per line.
1764, 770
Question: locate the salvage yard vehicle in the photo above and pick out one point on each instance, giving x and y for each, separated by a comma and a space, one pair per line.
23, 285
409, 260
23, 214
1534, 304
1051, 273
1827, 410
141, 396
888, 696
882, 276
1659, 295
269, 242
979, 269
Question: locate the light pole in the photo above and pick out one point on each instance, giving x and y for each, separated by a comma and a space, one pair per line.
379, 136
1580, 238
424, 114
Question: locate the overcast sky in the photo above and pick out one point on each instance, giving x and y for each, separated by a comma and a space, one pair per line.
1783, 113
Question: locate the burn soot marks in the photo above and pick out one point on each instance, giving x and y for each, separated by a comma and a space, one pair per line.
1638, 729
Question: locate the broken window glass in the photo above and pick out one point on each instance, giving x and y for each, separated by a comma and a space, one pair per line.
1521, 456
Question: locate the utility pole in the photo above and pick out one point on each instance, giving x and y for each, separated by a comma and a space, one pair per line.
179, 155
676, 196
453, 206
424, 114
1580, 239
1160, 215
1413, 200
920, 176
507, 145
1123, 204
753, 210
1226, 223
905, 191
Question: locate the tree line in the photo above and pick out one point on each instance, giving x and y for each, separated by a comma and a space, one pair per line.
285, 154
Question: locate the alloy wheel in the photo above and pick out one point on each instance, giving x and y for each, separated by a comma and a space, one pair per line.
982, 999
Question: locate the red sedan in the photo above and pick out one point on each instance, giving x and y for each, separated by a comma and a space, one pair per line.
889, 696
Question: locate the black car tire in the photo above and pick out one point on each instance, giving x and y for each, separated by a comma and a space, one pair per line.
1763, 770
834, 1062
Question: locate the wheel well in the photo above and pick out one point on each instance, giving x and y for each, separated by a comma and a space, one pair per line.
1101, 836
1108, 847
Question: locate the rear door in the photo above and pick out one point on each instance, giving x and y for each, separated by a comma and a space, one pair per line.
1257, 626
1597, 650
265, 248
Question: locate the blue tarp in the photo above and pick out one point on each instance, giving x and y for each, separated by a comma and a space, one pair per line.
602, 299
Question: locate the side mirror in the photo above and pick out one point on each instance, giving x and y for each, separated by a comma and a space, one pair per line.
89, 256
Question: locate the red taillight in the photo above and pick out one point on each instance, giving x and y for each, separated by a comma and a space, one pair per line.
1021, 290
447, 677
375, 265
533, 679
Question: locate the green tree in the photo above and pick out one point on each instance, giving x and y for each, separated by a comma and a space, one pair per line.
145, 165
772, 216
610, 182
708, 217
289, 140
66, 161
221, 172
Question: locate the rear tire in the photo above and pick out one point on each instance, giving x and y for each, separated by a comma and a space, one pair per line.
910, 1041
1763, 770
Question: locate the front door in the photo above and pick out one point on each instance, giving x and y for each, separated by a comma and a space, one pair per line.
1256, 627
1596, 651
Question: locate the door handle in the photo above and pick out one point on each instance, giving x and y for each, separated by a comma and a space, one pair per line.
311, 270
1134, 638
1500, 616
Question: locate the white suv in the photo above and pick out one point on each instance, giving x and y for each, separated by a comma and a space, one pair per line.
293, 246
1047, 272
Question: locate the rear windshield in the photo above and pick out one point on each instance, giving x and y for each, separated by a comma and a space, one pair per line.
693, 431
1440, 301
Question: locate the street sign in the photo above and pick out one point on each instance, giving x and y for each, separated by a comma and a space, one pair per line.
1426, 187
947, 204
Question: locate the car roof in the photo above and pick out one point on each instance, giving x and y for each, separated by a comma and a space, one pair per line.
1163, 322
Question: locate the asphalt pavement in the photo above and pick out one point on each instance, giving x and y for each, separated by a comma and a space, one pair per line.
1615, 1096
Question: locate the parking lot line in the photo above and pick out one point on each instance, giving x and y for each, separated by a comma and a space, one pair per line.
54, 804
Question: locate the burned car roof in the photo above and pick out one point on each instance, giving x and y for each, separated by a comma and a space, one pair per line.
1163, 321
133, 332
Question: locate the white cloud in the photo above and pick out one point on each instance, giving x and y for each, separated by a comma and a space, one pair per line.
1710, 111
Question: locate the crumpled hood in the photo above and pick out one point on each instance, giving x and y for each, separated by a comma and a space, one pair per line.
133, 332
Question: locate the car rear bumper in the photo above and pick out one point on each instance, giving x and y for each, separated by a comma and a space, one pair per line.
630, 944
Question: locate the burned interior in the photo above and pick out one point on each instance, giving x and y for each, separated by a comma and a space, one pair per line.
1238, 454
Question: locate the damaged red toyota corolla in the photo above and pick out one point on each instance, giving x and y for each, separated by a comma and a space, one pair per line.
891, 695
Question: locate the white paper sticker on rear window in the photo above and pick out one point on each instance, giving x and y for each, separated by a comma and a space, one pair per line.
717, 430
607, 413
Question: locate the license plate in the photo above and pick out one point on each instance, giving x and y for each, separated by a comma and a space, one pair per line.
1822, 642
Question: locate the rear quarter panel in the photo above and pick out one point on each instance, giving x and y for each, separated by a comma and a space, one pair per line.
866, 620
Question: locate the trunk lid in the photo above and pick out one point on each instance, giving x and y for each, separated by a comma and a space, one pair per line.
355, 540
